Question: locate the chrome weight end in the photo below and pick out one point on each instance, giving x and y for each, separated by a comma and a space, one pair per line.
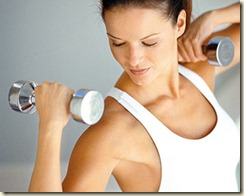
220, 51
87, 106
20, 96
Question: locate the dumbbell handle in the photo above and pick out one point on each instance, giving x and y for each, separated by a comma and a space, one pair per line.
86, 106
33, 99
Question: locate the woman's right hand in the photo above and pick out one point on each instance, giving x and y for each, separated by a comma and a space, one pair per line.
52, 103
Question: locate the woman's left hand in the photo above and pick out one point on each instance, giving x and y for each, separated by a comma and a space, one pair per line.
190, 44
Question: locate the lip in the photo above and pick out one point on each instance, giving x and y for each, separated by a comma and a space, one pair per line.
139, 71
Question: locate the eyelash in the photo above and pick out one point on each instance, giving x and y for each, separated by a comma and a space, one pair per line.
150, 45
147, 45
118, 45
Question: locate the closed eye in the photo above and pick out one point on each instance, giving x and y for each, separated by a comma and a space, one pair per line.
149, 45
145, 44
118, 45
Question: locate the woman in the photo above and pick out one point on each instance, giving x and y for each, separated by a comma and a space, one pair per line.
162, 129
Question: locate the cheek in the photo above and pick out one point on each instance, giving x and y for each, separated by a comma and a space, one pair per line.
168, 49
117, 54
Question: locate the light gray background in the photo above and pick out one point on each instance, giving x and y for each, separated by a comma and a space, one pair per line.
64, 41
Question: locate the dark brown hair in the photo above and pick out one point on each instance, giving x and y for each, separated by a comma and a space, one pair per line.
169, 8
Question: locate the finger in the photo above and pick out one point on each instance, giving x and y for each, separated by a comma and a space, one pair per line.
197, 48
188, 45
182, 54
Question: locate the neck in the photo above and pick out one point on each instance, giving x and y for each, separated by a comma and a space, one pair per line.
167, 85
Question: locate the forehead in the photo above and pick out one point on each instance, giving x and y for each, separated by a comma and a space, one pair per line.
127, 21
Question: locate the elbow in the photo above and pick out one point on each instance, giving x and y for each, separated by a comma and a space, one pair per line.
47, 188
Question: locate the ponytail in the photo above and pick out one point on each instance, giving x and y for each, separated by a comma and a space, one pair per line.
188, 10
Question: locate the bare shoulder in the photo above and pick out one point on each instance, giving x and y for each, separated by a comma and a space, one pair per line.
108, 132
100, 146
113, 124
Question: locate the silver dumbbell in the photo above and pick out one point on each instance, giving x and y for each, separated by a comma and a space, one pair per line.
86, 106
219, 51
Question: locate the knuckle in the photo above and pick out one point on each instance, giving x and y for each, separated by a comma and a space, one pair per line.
37, 90
183, 38
56, 84
194, 40
45, 83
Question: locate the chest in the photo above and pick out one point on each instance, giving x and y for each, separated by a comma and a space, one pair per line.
178, 161
145, 152
191, 116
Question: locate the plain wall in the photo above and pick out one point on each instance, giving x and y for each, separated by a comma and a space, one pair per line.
64, 41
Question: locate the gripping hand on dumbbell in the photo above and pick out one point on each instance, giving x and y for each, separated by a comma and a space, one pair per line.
55, 102
193, 43
52, 103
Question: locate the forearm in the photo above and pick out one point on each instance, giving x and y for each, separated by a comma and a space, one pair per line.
226, 15
46, 175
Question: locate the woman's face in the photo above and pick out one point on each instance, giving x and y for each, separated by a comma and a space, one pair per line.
143, 42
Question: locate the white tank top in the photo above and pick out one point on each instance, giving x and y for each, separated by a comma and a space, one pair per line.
188, 165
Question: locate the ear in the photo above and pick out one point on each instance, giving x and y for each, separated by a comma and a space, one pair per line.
181, 23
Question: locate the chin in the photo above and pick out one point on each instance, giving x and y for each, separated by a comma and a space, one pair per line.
141, 82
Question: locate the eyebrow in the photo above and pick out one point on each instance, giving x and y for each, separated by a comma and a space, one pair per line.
140, 39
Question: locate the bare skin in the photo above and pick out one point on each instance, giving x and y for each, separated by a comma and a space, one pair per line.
190, 44
119, 144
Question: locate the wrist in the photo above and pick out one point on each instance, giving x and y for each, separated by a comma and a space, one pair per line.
50, 129
49, 139
52, 123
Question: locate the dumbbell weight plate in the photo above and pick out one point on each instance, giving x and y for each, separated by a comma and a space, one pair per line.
220, 51
87, 106
21, 98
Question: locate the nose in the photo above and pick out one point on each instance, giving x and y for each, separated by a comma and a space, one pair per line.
135, 55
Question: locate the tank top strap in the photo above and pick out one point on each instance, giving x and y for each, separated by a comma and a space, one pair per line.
200, 84
130, 104
144, 116
151, 122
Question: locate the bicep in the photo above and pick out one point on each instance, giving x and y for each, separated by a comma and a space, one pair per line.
90, 166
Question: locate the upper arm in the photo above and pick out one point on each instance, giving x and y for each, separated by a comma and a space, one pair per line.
92, 162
